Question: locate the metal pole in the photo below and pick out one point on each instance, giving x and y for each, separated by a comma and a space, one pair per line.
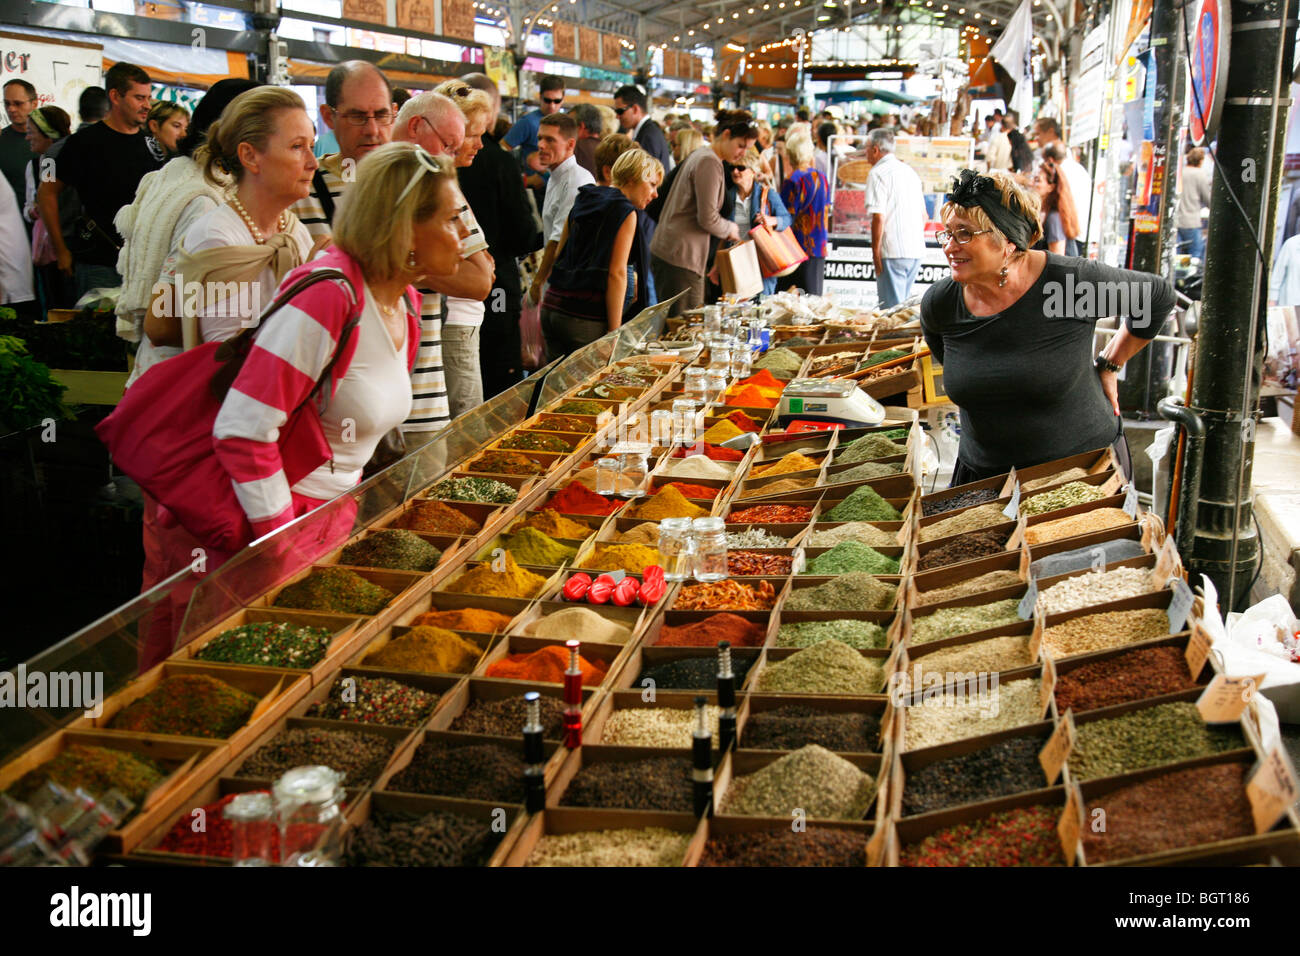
1150, 248
1230, 337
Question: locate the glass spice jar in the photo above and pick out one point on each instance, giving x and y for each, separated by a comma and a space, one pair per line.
693, 384
741, 363
712, 319
633, 470
684, 418
308, 811
676, 547
250, 816
709, 536
715, 383
661, 427
607, 476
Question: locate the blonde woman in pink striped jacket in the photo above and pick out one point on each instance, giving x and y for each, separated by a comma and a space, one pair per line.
398, 222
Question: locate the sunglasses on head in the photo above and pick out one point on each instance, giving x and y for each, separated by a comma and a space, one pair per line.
558, 100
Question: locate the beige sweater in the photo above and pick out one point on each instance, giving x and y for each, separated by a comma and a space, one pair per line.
692, 214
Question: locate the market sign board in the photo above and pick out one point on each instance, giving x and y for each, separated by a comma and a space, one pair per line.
59, 69
1208, 63
850, 275
1087, 93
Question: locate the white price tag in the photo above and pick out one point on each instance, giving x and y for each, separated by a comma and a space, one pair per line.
1131, 500
1180, 605
1027, 603
1012, 510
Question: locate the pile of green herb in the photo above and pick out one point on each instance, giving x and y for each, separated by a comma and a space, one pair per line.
485, 490
269, 644
335, 589
392, 548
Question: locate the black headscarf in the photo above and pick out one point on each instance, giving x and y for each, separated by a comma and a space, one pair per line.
214, 101
972, 189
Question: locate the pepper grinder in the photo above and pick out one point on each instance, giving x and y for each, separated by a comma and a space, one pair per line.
534, 755
573, 698
702, 759
726, 699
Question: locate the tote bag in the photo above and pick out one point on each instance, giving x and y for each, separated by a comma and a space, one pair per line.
779, 252
160, 434
738, 270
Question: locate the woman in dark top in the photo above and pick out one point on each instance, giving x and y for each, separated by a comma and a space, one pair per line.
600, 268
1013, 330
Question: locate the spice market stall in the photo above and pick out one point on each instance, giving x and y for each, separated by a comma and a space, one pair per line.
626, 629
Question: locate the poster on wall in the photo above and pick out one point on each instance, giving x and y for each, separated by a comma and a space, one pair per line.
59, 69
610, 49
415, 15
588, 45
499, 65
566, 44
1086, 93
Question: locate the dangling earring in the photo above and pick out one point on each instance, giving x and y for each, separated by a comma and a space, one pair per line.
410, 260
1002, 276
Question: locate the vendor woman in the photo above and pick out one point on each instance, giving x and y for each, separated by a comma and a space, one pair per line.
1013, 329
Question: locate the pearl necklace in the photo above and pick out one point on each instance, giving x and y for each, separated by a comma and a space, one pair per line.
258, 238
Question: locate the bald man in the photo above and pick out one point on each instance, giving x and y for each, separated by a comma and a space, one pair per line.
492, 185
359, 110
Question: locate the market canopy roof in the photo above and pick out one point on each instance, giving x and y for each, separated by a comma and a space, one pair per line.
686, 23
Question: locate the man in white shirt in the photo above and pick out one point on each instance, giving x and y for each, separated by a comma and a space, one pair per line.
997, 149
1048, 131
896, 204
556, 138
1284, 278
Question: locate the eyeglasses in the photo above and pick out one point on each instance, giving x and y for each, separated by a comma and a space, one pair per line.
962, 235
358, 118
556, 102
449, 143
620, 110
427, 164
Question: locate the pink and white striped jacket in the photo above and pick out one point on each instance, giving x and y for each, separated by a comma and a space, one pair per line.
286, 360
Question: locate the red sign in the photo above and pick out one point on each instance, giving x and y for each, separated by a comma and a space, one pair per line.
1209, 66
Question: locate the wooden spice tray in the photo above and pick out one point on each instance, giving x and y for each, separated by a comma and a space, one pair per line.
442, 685
903, 833
711, 827
1094, 462
556, 820
1143, 532
743, 763
549, 460
514, 608
479, 512
755, 704
344, 627
403, 584
773, 655
210, 791
448, 544
832, 480
485, 643
590, 754
1093, 789
398, 737
611, 655
277, 690
1149, 601
914, 656
952, 574
545, 587
891, 621
1004, 485
912, 761
779, 585
634, 618
633, 698
553, 751
186, 762
466, 692
923, 548
644, 656
511, 816
901, 702
803, 582
1179, 641
977, 599
670, 618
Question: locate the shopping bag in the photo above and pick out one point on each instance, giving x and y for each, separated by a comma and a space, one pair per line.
779, 252
170, 455
738, 270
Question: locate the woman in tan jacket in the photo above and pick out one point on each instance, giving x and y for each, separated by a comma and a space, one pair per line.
692, 213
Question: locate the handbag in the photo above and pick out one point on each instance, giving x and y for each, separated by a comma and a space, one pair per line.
160, 434
779, 252
738, 270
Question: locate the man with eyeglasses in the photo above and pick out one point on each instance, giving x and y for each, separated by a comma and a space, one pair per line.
896, 204
359, 110
434, 122
630, 107
15, 153
523, 135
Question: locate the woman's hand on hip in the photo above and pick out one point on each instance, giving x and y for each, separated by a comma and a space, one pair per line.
1110, 386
